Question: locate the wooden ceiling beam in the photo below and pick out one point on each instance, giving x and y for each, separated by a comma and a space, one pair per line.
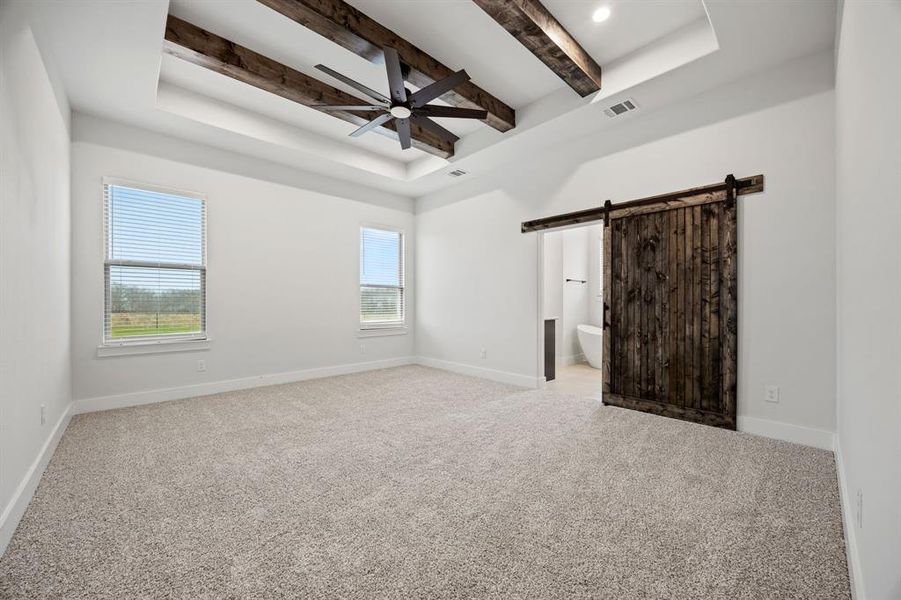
536, 28
348, 27
193, 44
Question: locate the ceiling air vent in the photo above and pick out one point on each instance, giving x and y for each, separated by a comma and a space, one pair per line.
621, 108
457, 173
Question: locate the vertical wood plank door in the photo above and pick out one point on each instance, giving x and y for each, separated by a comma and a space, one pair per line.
671, 310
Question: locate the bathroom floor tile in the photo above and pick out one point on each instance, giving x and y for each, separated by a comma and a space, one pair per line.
580, 379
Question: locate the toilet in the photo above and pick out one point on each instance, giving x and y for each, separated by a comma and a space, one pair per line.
591, 340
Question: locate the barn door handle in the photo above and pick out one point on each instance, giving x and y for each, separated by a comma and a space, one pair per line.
606, 310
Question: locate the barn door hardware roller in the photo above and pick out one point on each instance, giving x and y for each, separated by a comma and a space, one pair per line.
730, 190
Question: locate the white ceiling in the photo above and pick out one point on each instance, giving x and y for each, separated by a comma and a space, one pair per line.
633, 24
462, 36
108, 56
203, 81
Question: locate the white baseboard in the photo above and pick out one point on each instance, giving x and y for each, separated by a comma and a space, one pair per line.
807, 436
85, 405
848, 509
526, 381
13, 511
566, 361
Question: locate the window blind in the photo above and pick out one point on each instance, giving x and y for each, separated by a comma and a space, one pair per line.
155, 265
381, 278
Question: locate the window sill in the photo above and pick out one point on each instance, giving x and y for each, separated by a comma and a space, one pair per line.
382, 331
156, 347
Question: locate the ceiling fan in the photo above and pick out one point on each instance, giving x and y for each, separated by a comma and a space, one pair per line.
405, 106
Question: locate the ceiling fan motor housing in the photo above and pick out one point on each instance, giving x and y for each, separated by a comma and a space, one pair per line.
400, 111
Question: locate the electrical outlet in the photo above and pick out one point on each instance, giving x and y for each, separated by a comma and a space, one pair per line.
771, 393
484, 353
859, 513
362, 348
43, 413
201, 366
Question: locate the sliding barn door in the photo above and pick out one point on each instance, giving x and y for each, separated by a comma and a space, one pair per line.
671, 310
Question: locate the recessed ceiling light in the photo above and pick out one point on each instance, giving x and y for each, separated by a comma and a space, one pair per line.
601, 14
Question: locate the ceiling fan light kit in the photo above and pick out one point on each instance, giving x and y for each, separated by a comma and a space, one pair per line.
404, 105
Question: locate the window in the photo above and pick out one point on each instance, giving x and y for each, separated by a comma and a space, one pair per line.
154, 266
381, 278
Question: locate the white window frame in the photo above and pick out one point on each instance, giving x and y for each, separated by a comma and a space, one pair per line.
369, 329
176, 342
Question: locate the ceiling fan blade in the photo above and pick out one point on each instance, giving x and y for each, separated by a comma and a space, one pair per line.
403, 132
395, 75
376, 122
433, 90
435, 128
351, 107
433, 110
356, 85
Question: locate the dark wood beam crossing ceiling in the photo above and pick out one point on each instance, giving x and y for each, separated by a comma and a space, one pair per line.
536, 28
348, 27
198, 46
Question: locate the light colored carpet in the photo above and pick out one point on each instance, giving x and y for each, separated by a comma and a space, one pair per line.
413, 482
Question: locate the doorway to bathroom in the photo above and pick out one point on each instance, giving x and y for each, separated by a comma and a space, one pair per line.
572, 310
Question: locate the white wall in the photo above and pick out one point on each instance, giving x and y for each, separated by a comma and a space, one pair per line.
553, 287
282, 282
595, 276
477, 281
553, 275
868, 88
34, 265
568, 255
575, 295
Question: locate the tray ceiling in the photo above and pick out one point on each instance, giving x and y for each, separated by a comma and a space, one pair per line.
111, 64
